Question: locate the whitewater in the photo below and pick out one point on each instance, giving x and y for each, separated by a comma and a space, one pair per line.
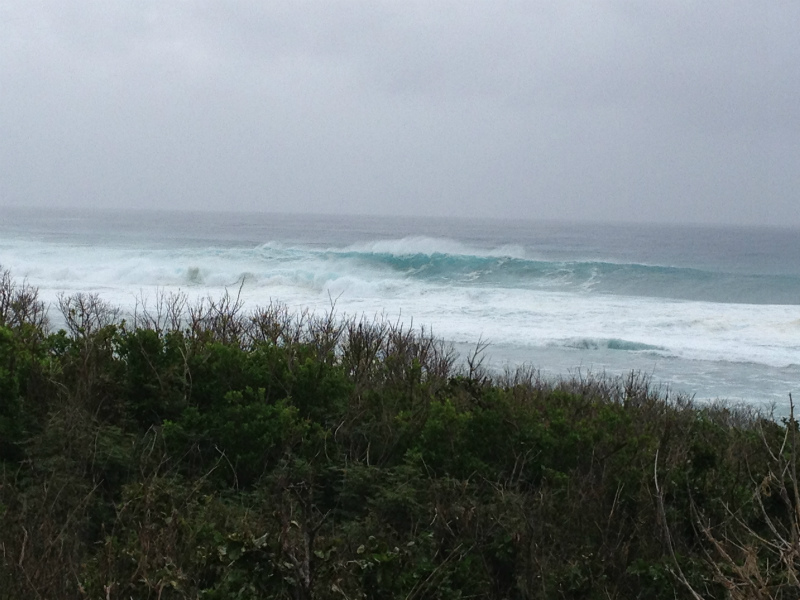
710, 312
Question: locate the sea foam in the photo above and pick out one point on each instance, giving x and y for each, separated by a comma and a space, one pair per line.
526, 301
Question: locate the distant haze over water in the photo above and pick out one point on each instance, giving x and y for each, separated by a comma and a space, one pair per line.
709, 311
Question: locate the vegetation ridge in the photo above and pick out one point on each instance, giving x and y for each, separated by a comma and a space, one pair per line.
198, 450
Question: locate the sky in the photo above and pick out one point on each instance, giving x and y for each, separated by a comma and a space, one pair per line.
638, 111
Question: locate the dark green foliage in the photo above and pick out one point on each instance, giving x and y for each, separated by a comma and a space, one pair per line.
155, 381
11, 400
209, 453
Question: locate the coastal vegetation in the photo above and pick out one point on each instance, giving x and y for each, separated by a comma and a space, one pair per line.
201, 450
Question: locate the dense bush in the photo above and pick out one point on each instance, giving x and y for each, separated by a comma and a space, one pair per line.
203, 451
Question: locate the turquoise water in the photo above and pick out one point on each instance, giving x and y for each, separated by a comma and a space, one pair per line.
713, 312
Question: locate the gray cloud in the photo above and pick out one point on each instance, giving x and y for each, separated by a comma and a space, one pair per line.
669, 111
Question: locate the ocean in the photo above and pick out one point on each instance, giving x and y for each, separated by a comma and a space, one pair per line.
711, 312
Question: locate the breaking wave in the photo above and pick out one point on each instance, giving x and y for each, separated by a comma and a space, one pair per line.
504, 294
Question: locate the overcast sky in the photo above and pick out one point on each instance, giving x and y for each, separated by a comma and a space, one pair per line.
637, 111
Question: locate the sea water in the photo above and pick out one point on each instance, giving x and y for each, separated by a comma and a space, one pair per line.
711, 312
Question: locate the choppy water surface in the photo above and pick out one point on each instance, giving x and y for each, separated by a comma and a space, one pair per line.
713, 312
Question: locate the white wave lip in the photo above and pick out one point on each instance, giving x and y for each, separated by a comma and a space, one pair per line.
414, 245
